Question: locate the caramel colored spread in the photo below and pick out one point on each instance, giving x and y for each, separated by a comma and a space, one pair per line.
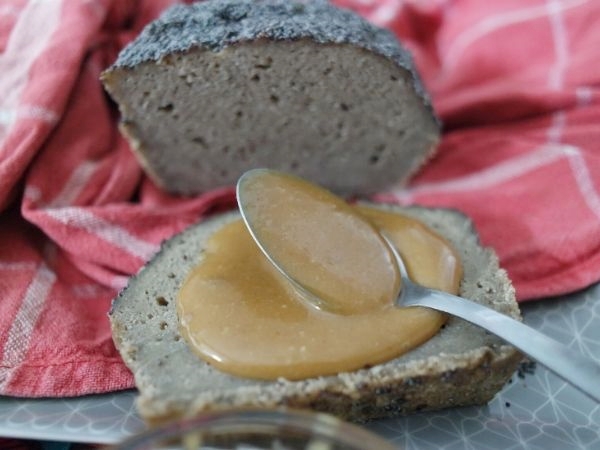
238, 313
349, 266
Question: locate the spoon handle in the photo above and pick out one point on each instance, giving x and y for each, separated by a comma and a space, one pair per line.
575, 368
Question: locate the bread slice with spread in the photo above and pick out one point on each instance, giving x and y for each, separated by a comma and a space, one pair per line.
461, 365
212, 89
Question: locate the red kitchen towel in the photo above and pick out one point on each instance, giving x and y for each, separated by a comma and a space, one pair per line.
515, 81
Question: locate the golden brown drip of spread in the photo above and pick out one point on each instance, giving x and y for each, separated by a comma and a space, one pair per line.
243, 317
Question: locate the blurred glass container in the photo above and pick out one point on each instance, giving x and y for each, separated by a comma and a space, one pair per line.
281, 429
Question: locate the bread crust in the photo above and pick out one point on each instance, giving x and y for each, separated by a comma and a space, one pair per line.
216, 25
213, 89
462, 365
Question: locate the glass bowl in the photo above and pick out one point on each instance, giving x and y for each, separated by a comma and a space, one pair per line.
281, 429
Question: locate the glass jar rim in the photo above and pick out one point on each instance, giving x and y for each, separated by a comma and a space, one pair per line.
270, 422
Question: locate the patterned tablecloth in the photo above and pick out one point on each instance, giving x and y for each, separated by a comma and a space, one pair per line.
536, 410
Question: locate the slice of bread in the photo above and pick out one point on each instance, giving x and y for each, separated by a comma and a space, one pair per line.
461, 365
215, 88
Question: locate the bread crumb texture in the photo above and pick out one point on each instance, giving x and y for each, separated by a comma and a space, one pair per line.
461, 365
215, 88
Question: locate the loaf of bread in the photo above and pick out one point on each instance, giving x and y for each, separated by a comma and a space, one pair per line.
461, 365
212, 89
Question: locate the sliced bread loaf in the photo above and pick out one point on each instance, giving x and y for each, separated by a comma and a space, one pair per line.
215, 88
461, 365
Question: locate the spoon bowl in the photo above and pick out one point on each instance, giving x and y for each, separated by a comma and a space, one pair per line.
575, 368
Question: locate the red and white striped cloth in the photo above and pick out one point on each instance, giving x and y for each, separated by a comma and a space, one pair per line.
516, 83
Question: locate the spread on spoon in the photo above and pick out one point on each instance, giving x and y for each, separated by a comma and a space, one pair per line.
241, 315
319, 241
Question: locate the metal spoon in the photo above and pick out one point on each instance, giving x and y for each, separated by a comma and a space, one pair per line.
575, 368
